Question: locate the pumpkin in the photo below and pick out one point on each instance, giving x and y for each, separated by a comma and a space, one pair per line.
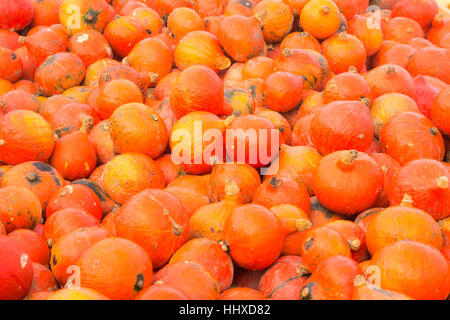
238, 7
151, 56
16, 271
300, 40
9, 39
280, 122
90, 46
45, 12
430, 61
59, 72
348, 182
282, 91
342, 51
364, 218
253, 248
182, 21
33, 245
11, 65
365, 291
79, 94
148, 18
16, 14
92, 15
241, 293
332, 280
76, 294
155, 220
419, 43
74, 156
19, 100
200, 47
347, 86
108, 205
399, 54
293, 219
321, 18
130, 264
275, 17
197, 88
162, 89
116, 93
309, 64
414, 269
212, 24
39, 177
210, 255
320, 216
440, 27
367, 31
427, 88
239, 100
422, 11
191, 191
241, 37
25, 136
170, 170
402, 222
387, 106
121, 71
390, 78
129, 173
440, 111
19, 208
284, 280
311, 104
161, 292
342, 125
426, 182
100, 139
355, 236
402, 29
6, 86
351, 8
43, 279
191, 278
208, 8
390, 168
75, 196
410, 136
95, 70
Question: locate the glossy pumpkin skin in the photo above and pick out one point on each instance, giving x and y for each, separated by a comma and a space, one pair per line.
426, 182
19, 208
321, 18
349, 168
59, 72
156, 221
276, 19
332, 280
284, 280
402, 222
258, 247
90, 46
347, 86
129, 263
282, 91
430, 61
33, 245
241, 37
94, 15
135, 167
410, 136
342, 125
11, 65
16, 271
210, 255
39, 177
424, 272
440, 111
191, 278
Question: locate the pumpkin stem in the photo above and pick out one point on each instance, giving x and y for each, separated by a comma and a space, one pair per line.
87, 123
442, 182
347, 159
50, 243
359, 281
22, 39
302, 224
275, 182
2, 142
125, 61
325, 10
305, 292
223, 63
352, 69
303, 271
365, 100
231, 187
434, 131
32, 176
286, 52
159, 282
354, 244
228, 120
225, 247
343, 35
153, 76
177, 229
407, 201
390, 69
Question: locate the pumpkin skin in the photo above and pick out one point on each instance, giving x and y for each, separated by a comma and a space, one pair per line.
137, 168
182, 21
239, 100
342, 125
16, 271
100, 139
148, 18
257, 67
59, 72
332, 280
9, 39
191, 278
399, 54
90, 46
371, 37
162, 89
402, 29
420, 140
284, 280
364, 291
43, 280
347, 86
282, 91
39, 177
426, 182
76, 294
387, 106
15, 14
197, 88
440, 26
28, 67
350, 168
33, 245
427, 88
431, 61
45, 12
170, 170
237, 7
343, 51
6, 86
121, 71
390, 78
108, 205
151, 56
321, 18
200, 47
210, 255
95, 70
129, 263
19, 100
390, 168
241, 37
402, 222
355, 237
155, 220
424, 272
440, 111
422, 11
94, 15
160, 291
135, 127
300, 40
52, 105
11, 65
241, 293
275, 17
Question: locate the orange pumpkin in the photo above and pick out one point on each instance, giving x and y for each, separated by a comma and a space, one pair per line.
275, 17
353, 7
116, 93
239, 100
241, 293
402, 29
390, 168
162, 89
108, 204
399, 54
300, 40
44, 43
440, 111
280, 122
182, 21
90, 46
100, 139
282, 91
148, 18
321, 18
95, 70
422, 11
43, 279
45, 12
390, 78
33, 245
347, 86
19, 100
75, 294
11, 65
161, 292
431, 61
367, 31
440, 27
293, 219
239, 7
365, 291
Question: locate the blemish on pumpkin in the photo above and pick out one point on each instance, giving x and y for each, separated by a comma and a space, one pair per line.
308, 243
23, 260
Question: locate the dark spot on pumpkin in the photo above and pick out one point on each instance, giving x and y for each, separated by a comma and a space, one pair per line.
41, 166
139, 285
307, 290
309, 243
13, 56
54, 261
91, 17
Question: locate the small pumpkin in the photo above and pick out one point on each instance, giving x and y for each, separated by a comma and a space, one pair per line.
19, 100
347, 86
321, 18
90, 46
182, 21
11, 65
276, 19
282, 91
100, 139
300, 40
390, 78
33, 245
422, 11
